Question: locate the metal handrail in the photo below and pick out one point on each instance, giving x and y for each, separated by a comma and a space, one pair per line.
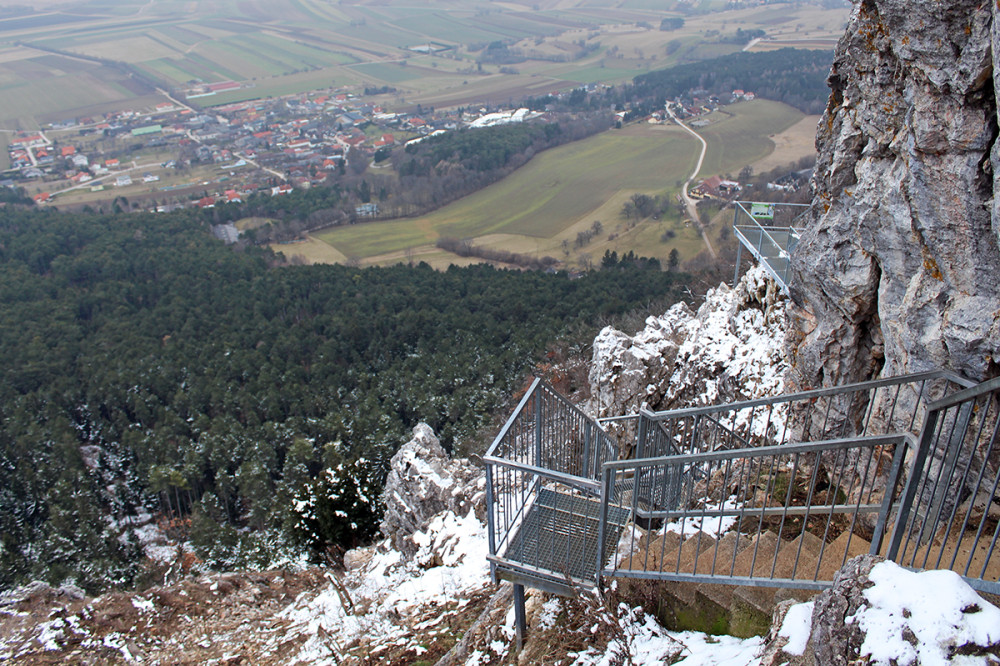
550, 449
808, 395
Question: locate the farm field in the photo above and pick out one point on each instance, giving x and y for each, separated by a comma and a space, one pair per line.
291, 46
794, 143
740, 134
563, 191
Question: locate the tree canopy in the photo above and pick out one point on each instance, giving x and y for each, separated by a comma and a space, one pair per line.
149, 369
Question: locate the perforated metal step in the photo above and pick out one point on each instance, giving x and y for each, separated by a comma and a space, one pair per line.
559, 535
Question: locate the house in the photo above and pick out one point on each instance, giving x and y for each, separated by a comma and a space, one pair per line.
42, 197
112, 163
68, 151
123, 181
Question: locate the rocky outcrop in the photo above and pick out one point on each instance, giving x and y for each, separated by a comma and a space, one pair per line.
730, 349
899, 268
423, 481
877, 612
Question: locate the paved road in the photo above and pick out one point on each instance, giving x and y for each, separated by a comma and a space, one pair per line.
692, 207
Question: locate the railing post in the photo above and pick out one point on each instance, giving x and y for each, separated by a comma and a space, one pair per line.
892, 482
607, 488
538, 428
587, 427
910, 490
491, 520
519, 620
640, 438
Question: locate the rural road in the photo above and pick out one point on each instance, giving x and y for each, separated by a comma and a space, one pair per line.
692, 208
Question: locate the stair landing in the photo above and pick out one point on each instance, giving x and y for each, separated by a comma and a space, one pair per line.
559, 536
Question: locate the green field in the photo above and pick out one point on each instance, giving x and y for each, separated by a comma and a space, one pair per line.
739, 135
564, 190
558, 190
315, 44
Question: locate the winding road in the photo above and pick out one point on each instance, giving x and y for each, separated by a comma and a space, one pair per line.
692, 207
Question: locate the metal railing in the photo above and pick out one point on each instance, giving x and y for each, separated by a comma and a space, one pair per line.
891, 405
548, 443
770, 243
950, 513
772, 492
786, 516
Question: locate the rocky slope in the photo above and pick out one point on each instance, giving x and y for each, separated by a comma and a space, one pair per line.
730, 349
899, 269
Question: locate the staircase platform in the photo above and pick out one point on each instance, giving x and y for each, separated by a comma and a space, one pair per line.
559, 536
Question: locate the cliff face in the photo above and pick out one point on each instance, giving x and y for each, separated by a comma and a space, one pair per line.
899, 269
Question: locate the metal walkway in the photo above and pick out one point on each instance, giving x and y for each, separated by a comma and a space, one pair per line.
561, 533
770, 232
775, 492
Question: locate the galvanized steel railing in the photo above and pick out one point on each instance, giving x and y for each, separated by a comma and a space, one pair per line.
775, 492
547, 443
787, 515
950, 512
891, 405
770, 243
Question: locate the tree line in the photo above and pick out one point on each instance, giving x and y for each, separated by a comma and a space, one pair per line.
150, 370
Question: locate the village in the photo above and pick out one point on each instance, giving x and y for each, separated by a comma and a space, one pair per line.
178, 154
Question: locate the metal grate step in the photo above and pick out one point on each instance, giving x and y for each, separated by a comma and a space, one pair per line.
559, 535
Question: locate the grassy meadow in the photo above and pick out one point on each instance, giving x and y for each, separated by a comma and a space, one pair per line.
563, 191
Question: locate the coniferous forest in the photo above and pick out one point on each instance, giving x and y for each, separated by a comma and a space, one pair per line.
149, 369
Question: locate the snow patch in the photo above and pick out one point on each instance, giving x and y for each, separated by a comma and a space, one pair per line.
796, 628
938, 608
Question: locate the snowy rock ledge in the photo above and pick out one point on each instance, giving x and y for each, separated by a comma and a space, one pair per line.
423, 481
880, 613
732, 348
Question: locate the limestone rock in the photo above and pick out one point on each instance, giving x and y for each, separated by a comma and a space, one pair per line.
41, 592
423, 481
899, 268
877, 612
730, 349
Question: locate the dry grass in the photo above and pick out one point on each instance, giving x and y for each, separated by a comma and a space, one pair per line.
794, 143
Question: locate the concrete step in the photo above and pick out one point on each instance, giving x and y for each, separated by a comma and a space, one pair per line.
683, 560
652, 548
796, 558
843, 548
730, 546
958, 547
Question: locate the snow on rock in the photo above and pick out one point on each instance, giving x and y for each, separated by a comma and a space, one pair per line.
423, 481
937, 608
384, 602
732, 348
879, 613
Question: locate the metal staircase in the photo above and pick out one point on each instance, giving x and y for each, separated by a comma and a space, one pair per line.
761, 495
770, 232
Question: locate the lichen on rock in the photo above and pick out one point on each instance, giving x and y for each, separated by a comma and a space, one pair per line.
899, 268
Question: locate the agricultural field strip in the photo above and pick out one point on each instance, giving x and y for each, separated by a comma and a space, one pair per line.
552, 192
548, 208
